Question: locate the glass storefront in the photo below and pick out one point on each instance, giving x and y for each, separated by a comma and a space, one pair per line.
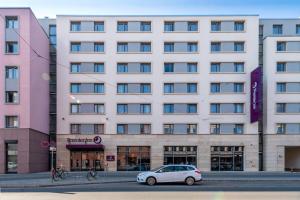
133, 158
84, 160
11, 157
227, 158
180, 155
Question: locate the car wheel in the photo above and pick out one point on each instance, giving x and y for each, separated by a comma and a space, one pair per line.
190, 181
151, 181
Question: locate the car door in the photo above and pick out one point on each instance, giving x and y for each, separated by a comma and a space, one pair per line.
165, 174
180, 173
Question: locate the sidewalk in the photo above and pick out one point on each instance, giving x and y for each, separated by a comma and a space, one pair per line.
79, 178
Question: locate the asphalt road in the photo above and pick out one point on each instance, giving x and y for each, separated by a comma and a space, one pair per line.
210, 185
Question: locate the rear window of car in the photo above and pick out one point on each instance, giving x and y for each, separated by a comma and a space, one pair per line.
181, 168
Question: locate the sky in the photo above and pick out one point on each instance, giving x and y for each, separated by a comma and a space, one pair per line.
264, 8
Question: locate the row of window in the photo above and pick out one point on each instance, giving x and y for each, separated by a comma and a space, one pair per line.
288, 108
169, 47
288, 87
178, 67
169, 26
177, 128
169, 88
168, 108
278, 29
285, 46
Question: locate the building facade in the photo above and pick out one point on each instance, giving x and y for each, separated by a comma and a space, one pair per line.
24, 90
156, 90
281, 64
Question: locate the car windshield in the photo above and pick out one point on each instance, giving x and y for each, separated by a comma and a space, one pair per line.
157, 168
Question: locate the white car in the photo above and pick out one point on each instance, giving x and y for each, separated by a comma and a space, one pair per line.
171, 173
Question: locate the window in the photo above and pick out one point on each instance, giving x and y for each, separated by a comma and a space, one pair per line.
75, 129
215, 67
52, 30
215, 26
98, 128
281, 128
145, 26
12, 22
75, 108
122, 47
145, 88
238, 108
98, 47
11, 122
11, 72
192, 26
169, 26
216, 46
145, 47
281, 46
192, 87
191, 129
281, 87
281, 67
98, 26
215, 128
239, 26
122, 26
277, 29
133, 158
99, 88
179, 155
192, 47
238, 87
238, 129
99, 108
122, 67
99, 67
239, 46
145, 67
298, 29
238, 67
75, 46
12, 47
75, 67
145, 128
215, 108
191, 108
169, 47
75, 87
11, 97
168, 88
169, 67
215, 87
280, 107
168, 108
122, 108
192, 67
75, 26
168, 128
145, 108
122, 88
122, 129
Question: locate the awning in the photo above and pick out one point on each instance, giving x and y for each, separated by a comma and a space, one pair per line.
85, 146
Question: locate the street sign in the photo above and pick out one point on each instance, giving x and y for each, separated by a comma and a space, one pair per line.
52, 148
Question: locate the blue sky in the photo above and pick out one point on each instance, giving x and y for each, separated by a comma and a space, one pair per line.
265, 8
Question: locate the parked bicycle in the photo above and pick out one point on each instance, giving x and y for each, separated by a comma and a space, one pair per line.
92, 174
58, 173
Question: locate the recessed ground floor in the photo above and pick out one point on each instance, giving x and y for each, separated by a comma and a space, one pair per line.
23, 151
145, 152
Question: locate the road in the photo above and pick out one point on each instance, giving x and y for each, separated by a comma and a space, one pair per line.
219, 185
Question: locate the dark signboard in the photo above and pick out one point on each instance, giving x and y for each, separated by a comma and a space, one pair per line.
256, 96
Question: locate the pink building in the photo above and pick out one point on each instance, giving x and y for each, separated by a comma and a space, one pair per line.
24, 92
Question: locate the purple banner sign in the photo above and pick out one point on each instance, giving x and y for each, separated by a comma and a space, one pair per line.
256, 95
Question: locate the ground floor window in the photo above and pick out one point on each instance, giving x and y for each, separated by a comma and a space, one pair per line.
227, 158
84, 160
133, 158
180, 155
11, 156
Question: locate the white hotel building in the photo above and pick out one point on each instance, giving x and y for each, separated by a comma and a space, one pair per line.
157, 90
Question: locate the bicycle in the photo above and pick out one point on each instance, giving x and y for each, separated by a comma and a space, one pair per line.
92, 174
57, 174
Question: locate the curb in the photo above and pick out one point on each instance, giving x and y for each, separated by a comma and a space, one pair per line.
57, 185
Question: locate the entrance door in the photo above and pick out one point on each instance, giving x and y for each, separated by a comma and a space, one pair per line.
11, 157
84, 160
